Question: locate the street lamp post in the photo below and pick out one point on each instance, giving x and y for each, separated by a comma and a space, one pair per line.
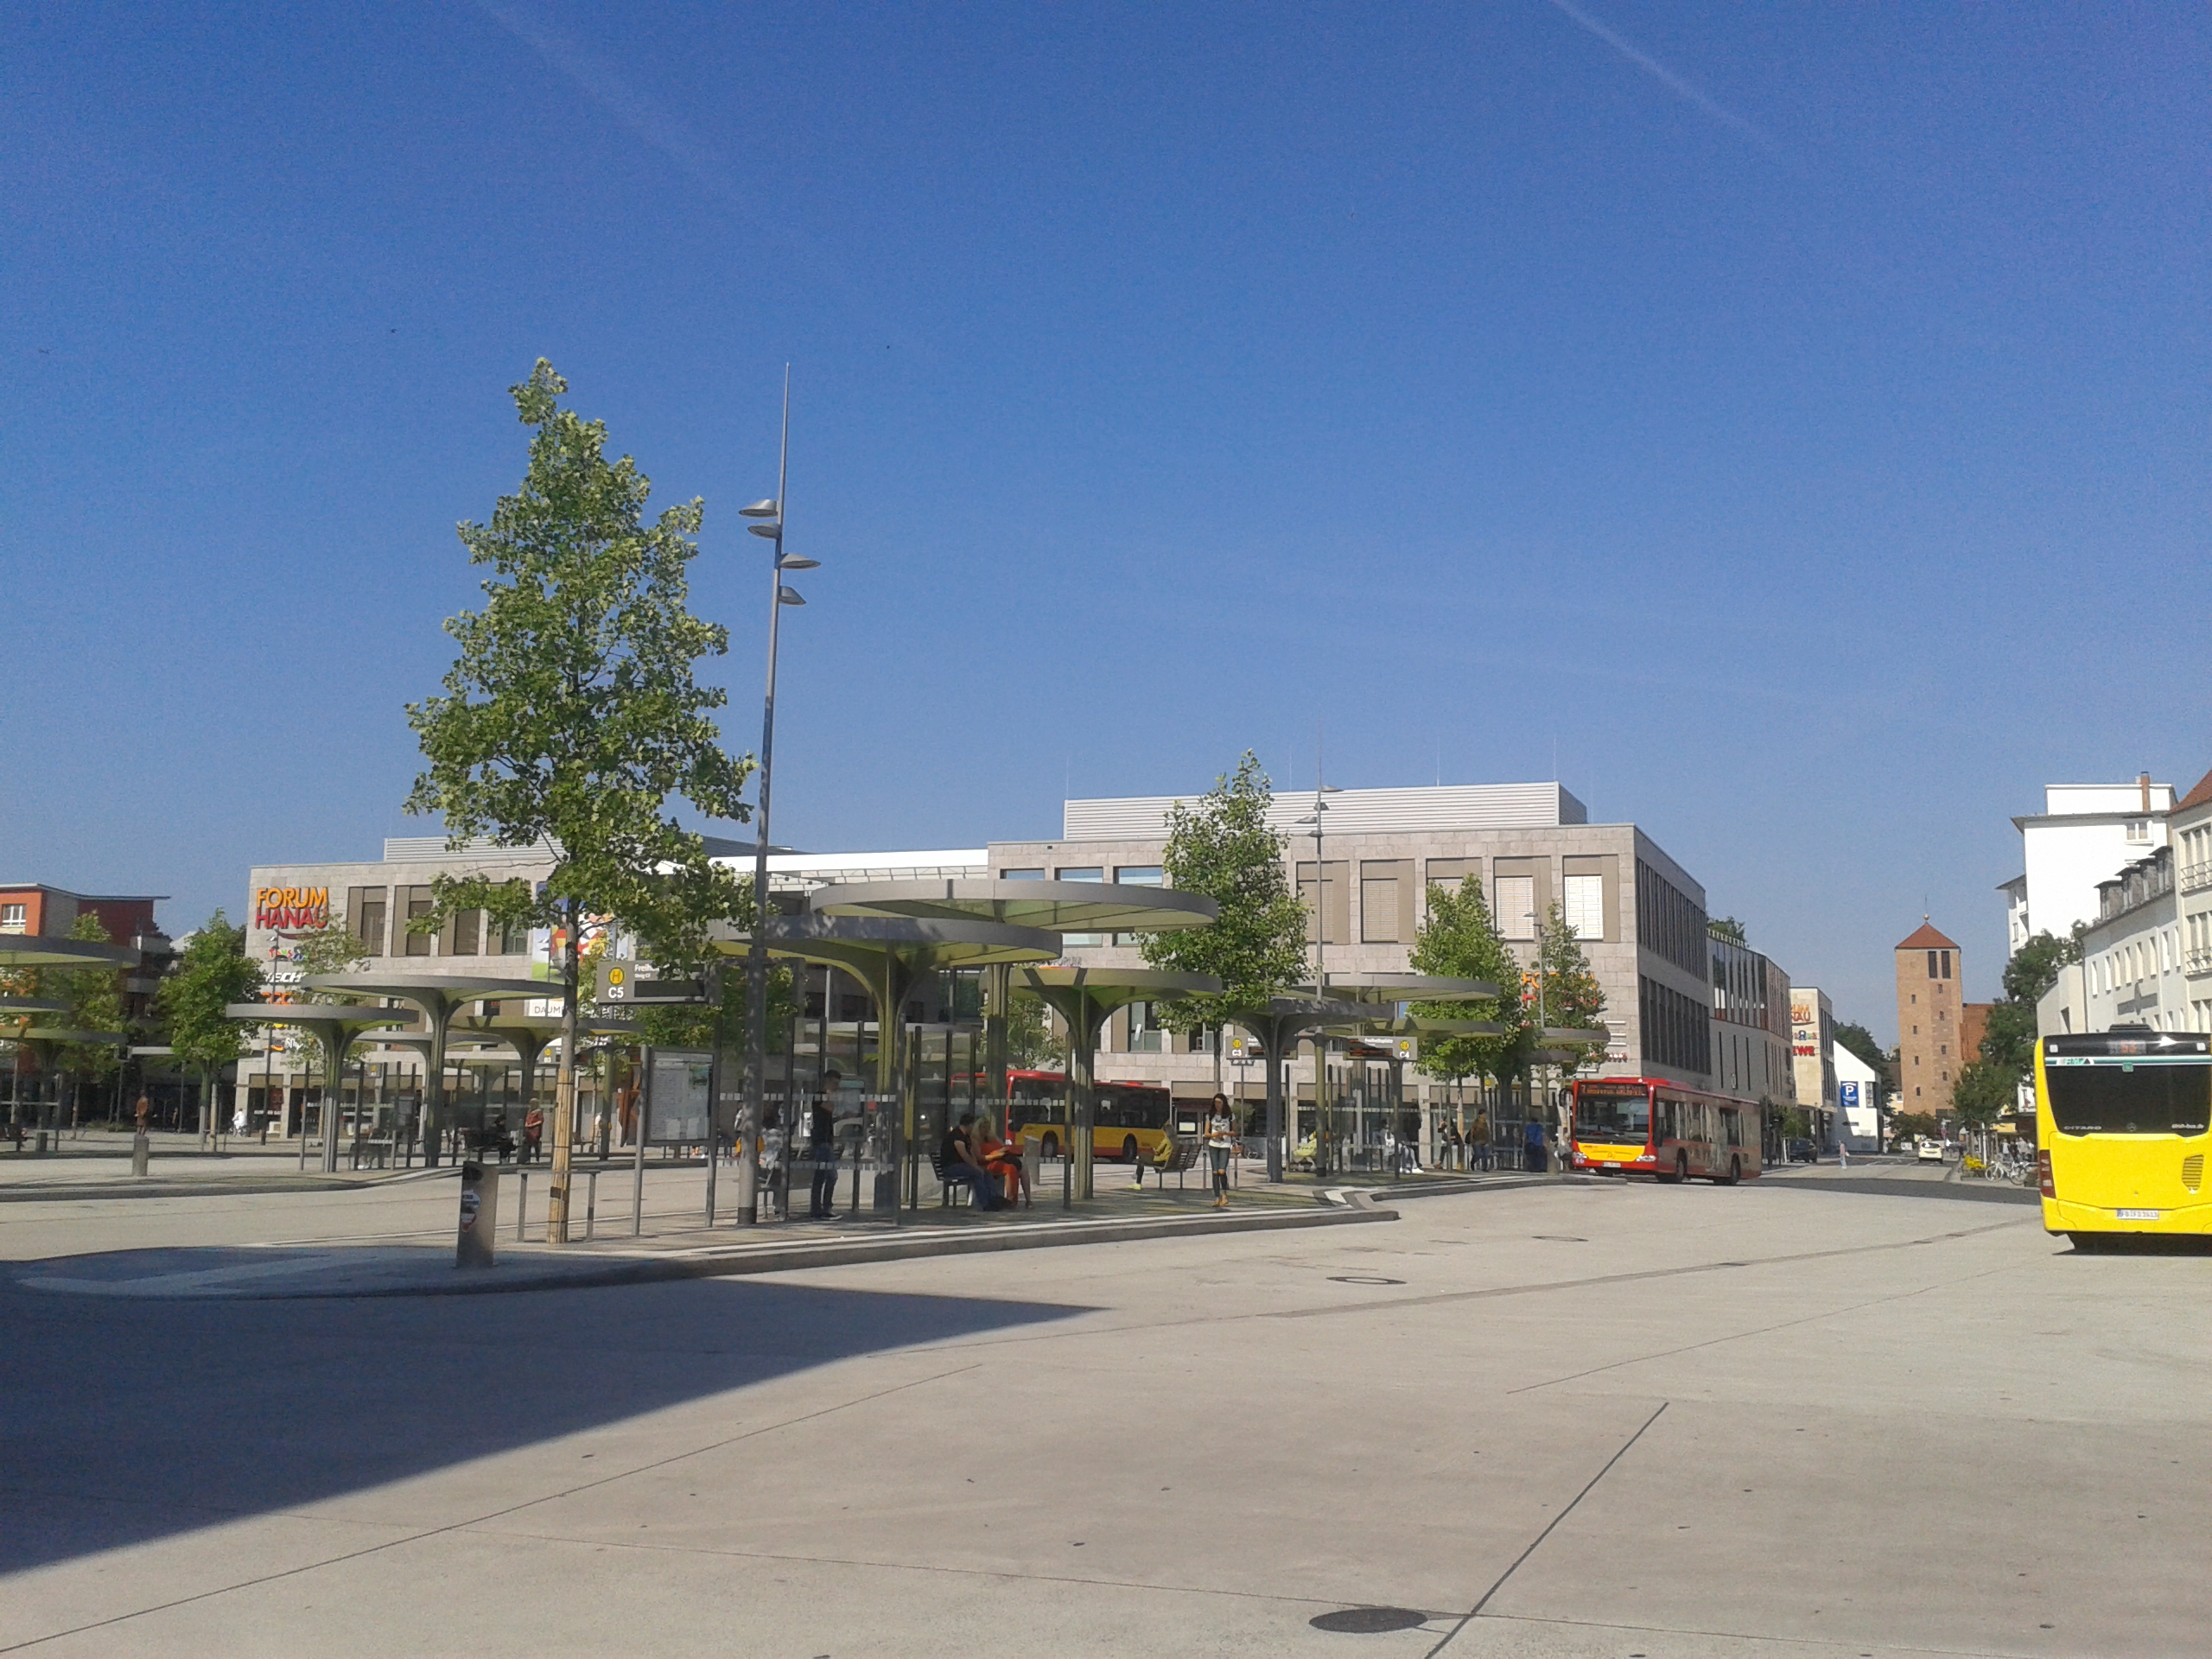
1321, 792
769, 516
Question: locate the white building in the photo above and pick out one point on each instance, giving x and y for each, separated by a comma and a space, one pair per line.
2191, 827
2083, 835
1859, 1100
2132, 971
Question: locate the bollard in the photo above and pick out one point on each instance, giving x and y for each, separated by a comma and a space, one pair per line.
141, 1149
479, 1214
522, 1203
591, 1202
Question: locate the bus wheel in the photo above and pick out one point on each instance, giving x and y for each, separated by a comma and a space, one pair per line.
1051, 1146
1682, 1167
1735, 1170
1130, 1149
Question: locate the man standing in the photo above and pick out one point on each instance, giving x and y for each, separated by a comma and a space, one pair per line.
822, 1148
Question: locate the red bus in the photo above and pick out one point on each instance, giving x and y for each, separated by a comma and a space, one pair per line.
1642, 1126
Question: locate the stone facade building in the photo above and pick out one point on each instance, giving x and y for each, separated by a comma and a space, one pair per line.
1928, 975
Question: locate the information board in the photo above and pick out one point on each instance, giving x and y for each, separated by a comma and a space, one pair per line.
676, 1081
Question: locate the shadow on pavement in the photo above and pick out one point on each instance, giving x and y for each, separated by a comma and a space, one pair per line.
128, 1420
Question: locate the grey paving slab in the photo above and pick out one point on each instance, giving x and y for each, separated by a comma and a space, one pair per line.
1565, 1421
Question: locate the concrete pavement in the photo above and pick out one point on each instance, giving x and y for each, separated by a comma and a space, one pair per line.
1570, 1420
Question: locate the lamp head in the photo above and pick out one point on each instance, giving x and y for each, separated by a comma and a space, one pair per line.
795, 562
788, 596
774, 530
764, 509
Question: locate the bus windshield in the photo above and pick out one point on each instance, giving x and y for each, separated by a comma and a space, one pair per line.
1623, 1115
2130, 1096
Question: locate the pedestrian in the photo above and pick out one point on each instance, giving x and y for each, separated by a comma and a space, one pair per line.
145, 1111
822, 1149
1221, 1141
956, 1154
533, 1131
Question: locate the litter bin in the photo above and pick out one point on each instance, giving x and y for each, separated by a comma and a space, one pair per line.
479, 1214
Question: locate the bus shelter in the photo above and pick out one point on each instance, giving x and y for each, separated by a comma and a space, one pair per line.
889, 956
1085, 998
31, 950
337, 1026
530, 1036
1060, 907
439, 998
1358, 1096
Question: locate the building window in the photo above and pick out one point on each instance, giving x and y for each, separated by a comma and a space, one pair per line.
1081, 873
1384, 901
1333, 905
1583, 903
1931, 965
2138, 829
366, 907
1515, 907
1137, 876
1449, 873
1947, 964
13, 919
417, 904
1021, 876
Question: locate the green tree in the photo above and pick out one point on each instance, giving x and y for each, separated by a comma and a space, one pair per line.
1983, 1092
211, 972
1458, 939
1031, 1044
573, 714
1728, 928
1911, 1125
1571, 996
94, 1000
1222, 846
1860, 1041
2009, 1041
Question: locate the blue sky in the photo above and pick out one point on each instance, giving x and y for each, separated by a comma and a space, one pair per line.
1793, 421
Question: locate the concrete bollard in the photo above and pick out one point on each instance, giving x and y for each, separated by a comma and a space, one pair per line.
479, 1214
142, 1152
591, 1202
522, 1202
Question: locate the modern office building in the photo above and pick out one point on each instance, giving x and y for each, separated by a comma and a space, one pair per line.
1752, 1036
1640, 917
50, 912
2083, 835
1928, 972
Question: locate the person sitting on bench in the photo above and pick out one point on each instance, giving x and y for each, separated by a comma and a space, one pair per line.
957, 1152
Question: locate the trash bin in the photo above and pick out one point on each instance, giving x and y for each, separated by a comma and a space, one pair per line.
479, 1214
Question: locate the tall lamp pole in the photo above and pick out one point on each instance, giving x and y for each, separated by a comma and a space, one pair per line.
1321, 791
769, 521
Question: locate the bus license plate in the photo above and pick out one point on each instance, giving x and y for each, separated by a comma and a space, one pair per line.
2138, 1214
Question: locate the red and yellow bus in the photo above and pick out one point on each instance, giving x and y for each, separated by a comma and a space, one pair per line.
1644, 1126
1130, 1121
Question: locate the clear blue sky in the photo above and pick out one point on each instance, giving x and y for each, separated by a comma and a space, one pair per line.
1793, 421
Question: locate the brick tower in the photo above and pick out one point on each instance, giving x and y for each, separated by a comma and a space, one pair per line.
1928, 1031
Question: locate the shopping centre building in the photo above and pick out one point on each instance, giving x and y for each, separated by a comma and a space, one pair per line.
1681, 1003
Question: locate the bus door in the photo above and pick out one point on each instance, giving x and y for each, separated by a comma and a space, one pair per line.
1668, 1127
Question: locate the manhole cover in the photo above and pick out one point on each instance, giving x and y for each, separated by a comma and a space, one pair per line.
1363, 1279
1369, 1621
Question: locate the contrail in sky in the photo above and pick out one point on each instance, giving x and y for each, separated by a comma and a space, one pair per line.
1662, 73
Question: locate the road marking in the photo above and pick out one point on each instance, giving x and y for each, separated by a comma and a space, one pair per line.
1537, 1541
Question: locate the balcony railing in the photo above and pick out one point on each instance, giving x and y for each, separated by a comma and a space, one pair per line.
2197, 876
2198, 961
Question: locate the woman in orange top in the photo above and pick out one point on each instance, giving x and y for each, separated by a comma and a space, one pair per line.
1002, 1159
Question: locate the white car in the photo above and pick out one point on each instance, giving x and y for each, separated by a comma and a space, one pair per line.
1932, 1151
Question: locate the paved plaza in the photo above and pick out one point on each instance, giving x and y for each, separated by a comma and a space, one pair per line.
1812, 1415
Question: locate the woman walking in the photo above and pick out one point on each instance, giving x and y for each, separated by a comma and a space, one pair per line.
1221, 1141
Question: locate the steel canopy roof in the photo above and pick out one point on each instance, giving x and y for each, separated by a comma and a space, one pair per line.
1057, 906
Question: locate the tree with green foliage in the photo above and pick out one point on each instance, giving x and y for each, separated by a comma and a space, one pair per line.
1860, 1041
1983, 1092
1030, 1043
2008, 1041
93, 1002
211, 972
1728, 928
573, 714
1223, 847
1570, 995
1458, 939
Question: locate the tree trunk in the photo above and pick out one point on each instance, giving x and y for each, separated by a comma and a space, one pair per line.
564, 1095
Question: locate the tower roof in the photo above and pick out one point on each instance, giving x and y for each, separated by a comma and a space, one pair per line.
1927, 938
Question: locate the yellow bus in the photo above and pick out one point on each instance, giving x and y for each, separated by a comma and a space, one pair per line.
2123, 1121
1130, 1121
